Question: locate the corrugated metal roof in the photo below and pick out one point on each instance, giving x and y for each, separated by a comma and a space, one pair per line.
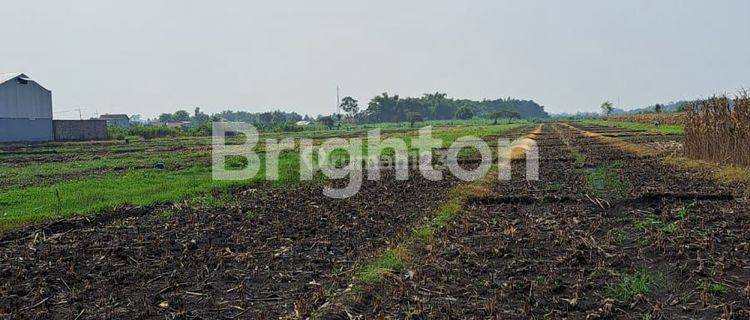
114, 116
5, 77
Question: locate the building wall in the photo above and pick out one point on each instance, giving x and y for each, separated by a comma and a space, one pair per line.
25, 101
80, 130
23, 130
122, 123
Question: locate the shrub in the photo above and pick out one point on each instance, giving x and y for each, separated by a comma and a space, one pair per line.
202, 130
150, 132
641, 282
603, 182
117, 133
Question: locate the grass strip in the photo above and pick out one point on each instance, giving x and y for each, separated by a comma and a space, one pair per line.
638, 126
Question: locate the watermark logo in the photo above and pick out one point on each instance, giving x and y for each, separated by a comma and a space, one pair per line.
237, 154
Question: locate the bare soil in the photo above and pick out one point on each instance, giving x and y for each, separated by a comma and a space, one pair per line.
273, 254
266, 253
553, 249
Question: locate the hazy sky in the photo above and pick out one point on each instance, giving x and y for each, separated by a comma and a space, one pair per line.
149, 57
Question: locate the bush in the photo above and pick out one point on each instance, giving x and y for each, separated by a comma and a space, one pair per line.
117, 133
281, 127
150, 132
203, 130
146, 132
464, 113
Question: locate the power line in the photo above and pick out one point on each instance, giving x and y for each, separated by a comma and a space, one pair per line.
78, 110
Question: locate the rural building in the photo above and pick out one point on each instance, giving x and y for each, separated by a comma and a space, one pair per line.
80, 130
116, 120
25, 109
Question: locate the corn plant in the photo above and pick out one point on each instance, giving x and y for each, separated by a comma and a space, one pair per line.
718, 130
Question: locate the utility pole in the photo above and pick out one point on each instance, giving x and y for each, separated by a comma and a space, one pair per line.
338, 101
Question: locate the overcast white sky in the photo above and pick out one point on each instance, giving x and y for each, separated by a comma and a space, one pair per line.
149, 57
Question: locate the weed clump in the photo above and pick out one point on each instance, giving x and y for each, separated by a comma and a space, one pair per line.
424, 233
641, 282
651, 223
391, 261
603, 182
712, 288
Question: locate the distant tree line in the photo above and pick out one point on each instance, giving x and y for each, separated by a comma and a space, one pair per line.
262, 118
381, 108
438, 106
265, 120
679, 106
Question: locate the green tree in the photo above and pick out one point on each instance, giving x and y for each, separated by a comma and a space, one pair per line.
278, 117
510, 115
349, 105
327, 121
504, 114
413, 117
658, 108
464, 113
165, 117
607, 107
181, 115
265, 118
385, 108
199, 118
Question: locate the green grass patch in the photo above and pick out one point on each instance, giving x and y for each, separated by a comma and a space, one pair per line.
12, 174
553, 186
652, 223
684, 211
389, 262
620, 236
136, 187
606, 183
714, 288
424, 233
88, 186
637, 126
642, 282
447, 212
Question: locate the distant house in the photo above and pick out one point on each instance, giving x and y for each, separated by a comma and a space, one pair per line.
25, 109
116, 120
303, 123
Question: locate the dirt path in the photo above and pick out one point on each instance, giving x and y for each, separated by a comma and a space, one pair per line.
603, 234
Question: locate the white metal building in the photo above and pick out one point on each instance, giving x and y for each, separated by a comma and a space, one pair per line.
25, 109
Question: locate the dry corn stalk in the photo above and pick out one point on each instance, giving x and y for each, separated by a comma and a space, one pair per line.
718, 130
